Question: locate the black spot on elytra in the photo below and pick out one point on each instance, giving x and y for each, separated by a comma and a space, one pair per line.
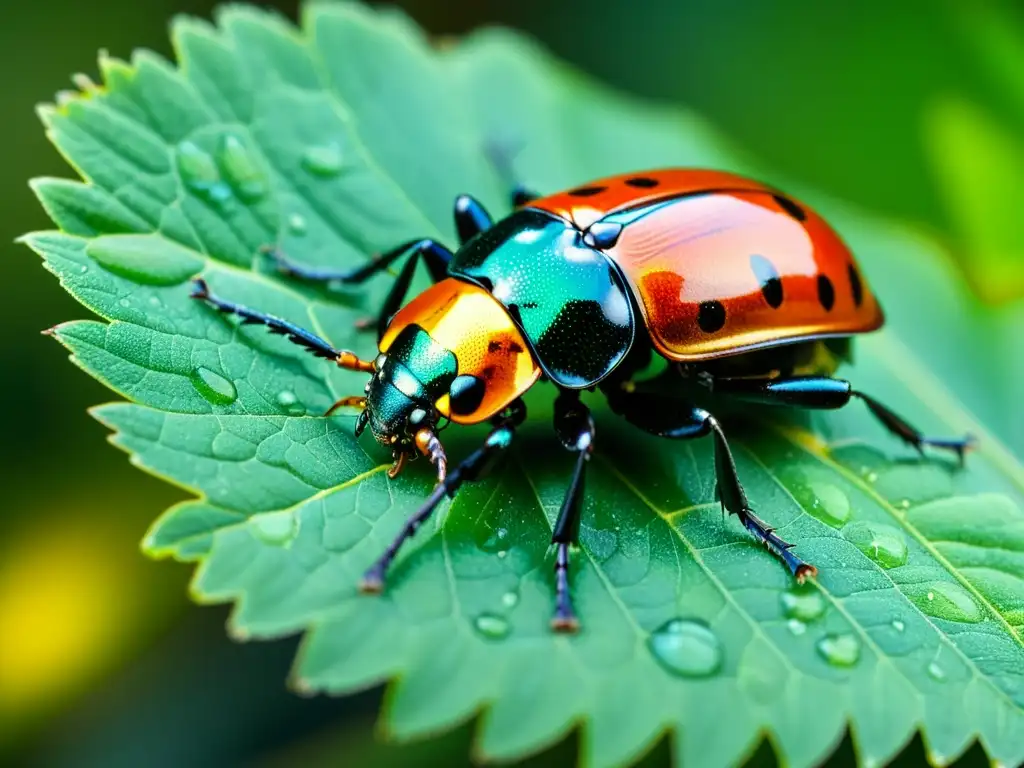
826, 293
711, 316
515, 348
513, 309
856, 287
642, 182
586, 191
494, 346
530, 305
768, 276
790, 207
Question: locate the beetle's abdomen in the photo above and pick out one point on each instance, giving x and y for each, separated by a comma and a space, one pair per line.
725, 272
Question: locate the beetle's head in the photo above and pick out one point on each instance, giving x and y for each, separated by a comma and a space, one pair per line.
451, 354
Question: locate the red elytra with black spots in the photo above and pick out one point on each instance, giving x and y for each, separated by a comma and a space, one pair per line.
722, 264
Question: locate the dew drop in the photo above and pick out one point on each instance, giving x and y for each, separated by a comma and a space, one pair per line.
796, 627
898, 625
495, 541
803, 605
491, 626
288, 400
275, 527
200, 173
935, 672
828, 502
686, 648
883, 543
214, 387
297, 224
241, 168
124, 303
510, 599
945, 600
323, 160
502, 553
839, 650
871, 477
83, 269
149, 259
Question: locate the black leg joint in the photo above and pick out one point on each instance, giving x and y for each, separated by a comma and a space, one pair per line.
471, 218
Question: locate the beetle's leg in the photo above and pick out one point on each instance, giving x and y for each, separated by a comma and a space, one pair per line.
823, 392
471, 218
435, 255
310, 341
575, 428
673, 418
521, 196
474, 466
500, 154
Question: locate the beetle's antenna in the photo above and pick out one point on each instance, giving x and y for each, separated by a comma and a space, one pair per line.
431, 447
352, 401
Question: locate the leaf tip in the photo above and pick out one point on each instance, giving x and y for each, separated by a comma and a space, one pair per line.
302, 686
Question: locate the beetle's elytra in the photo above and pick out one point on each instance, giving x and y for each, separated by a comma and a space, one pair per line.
747, 293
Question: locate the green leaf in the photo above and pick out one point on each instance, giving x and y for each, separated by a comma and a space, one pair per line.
354, 134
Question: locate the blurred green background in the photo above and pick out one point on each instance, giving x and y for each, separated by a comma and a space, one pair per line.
911, 109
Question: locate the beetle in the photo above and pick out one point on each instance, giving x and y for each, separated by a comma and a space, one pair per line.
747, 294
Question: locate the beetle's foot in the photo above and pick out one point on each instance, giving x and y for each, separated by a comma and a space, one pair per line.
565, 621
372, 582
959, 446
775, 544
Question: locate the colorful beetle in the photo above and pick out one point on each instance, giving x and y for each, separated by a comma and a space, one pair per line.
746, 293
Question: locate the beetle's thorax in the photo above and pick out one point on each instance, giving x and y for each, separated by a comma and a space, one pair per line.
452, 352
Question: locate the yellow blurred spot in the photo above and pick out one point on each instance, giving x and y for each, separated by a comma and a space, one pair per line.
65, 598
805, 438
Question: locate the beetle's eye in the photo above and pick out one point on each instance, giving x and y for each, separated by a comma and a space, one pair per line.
466, 393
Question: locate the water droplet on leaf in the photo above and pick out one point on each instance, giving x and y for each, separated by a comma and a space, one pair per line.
839, 650
323, 160
935, 672
200, 173
803, 605
884, 544
242, 169
686, 648
510, 599
297, 224
494, 540
491, 626
275, 527
288, 400
828, 502
149, 259
796, 626
214, 387
898, 625
946, 600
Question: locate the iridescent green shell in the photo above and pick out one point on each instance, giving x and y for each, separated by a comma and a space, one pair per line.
570, 301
